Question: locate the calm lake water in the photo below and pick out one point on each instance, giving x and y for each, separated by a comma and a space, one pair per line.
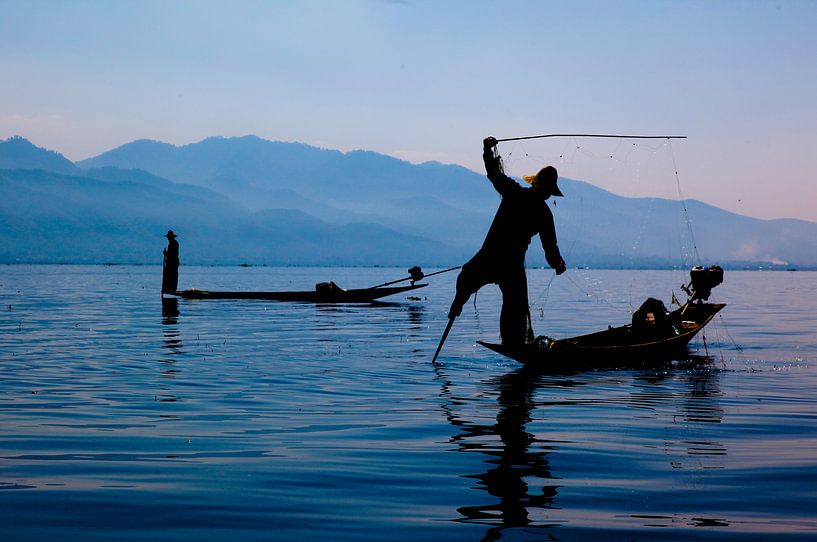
123, 419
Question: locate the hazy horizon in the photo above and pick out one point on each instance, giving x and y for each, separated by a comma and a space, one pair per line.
421, 81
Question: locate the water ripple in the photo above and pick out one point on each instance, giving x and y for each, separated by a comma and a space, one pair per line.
124, 417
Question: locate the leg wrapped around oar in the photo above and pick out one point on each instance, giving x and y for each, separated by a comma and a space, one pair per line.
473, 276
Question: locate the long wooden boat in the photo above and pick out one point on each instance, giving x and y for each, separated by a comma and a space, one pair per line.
319, 295
626, 345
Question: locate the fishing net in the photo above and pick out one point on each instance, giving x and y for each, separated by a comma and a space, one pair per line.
623, 207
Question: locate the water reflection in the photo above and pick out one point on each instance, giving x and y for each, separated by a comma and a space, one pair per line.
170, 310
520, 457
700, 406
695, 391
518, 472
170, 327
405, 321
416, 316
171, 338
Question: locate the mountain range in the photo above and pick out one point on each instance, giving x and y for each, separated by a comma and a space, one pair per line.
250, 200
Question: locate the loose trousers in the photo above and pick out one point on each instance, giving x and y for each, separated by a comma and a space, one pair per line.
513, 283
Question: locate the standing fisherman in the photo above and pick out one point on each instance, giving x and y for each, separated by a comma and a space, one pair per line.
522, 214
170, 269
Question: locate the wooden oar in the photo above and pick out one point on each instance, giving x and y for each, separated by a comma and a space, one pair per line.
442, 340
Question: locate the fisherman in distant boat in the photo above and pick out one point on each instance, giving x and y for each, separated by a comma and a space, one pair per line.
170, 269
522, 214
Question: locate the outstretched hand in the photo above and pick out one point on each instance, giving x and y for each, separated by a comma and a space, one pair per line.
489, 143
561, 268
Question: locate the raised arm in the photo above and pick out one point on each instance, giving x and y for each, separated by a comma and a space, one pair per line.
493, 167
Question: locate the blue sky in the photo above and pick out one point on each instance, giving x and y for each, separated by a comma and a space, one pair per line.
425, 80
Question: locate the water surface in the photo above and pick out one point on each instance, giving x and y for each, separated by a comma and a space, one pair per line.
126, 418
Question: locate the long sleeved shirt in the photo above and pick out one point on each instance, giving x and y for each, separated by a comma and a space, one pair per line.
522, 214
172, 252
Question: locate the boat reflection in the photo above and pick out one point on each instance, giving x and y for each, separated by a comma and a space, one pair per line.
518, 473
416, 316
683, 399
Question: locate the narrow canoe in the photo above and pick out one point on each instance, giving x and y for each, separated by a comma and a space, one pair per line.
617, 346
362, 295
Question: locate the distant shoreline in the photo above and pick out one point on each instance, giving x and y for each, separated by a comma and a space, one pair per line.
727, 267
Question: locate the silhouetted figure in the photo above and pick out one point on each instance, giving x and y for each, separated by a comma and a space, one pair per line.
522, 214
170, 269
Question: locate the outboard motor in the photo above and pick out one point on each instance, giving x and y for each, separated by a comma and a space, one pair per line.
415, 274
703, 280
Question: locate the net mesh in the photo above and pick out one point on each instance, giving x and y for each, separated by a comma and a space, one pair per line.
595, 226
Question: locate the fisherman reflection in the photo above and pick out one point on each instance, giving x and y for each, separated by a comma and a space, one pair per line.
519, 457
172, 342
518, 474
170, 310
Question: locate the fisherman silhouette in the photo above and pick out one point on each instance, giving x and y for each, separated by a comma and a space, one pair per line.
522, 214
170, 268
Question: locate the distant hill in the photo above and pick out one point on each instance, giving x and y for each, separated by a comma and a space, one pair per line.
19, 153
236, 200
253, 171
50, 217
